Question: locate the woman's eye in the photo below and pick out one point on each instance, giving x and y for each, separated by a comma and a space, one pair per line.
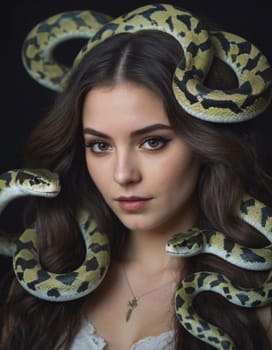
154, 143
99, 146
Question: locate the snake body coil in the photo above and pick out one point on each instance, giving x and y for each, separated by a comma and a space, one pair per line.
251, 97
197, 241
44, 38
75, 284
28, 270
206, 281
254, 74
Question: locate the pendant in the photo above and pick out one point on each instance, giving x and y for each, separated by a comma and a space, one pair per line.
132, 304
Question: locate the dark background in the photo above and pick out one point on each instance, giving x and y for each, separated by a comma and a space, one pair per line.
24, 102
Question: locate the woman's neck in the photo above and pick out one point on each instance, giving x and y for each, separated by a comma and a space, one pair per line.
147, 248
148, 251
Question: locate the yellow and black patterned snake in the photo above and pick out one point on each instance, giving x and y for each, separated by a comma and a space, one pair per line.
207, 241
251, 97
82, 281
28, 270
254, 74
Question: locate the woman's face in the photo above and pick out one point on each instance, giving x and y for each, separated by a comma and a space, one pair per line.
143, 169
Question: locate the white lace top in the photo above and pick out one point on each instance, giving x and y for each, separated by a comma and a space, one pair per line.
87, 339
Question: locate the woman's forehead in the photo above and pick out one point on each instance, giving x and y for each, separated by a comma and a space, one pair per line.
124, 103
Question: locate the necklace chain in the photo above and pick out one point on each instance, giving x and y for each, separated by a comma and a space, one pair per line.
133, 303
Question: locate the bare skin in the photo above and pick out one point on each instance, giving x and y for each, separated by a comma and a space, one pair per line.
146, 320
147, 175
133, 151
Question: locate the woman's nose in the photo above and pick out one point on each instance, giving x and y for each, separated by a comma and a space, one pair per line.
126, 170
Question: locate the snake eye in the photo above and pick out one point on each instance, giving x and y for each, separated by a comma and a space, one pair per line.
35, 180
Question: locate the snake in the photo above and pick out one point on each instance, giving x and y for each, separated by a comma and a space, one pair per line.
206, 241
206, 281
200, 46
30, 274
202, 241
21, 183
249, 99
83, 280
38, 48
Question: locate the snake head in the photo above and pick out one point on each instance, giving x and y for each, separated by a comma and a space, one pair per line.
37, 182
185, 244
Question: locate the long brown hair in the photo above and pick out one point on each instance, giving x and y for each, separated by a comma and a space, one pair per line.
229, 167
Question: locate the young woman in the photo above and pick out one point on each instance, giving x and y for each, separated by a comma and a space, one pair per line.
129, 153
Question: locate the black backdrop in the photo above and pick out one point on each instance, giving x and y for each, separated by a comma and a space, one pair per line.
24, 101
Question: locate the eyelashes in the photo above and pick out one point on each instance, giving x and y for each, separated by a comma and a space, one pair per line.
151, 144
99, 146
154, 143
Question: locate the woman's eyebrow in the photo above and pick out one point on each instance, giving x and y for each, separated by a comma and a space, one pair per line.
150, 128
145, 130
90, 131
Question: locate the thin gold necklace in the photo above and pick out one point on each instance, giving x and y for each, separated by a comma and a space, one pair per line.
133, 303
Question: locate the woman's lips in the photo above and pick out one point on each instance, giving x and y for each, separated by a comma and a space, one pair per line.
132, 203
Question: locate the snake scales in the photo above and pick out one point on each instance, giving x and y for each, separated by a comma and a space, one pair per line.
197, 241
27, 268
249, 99
75, 284
254, 74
